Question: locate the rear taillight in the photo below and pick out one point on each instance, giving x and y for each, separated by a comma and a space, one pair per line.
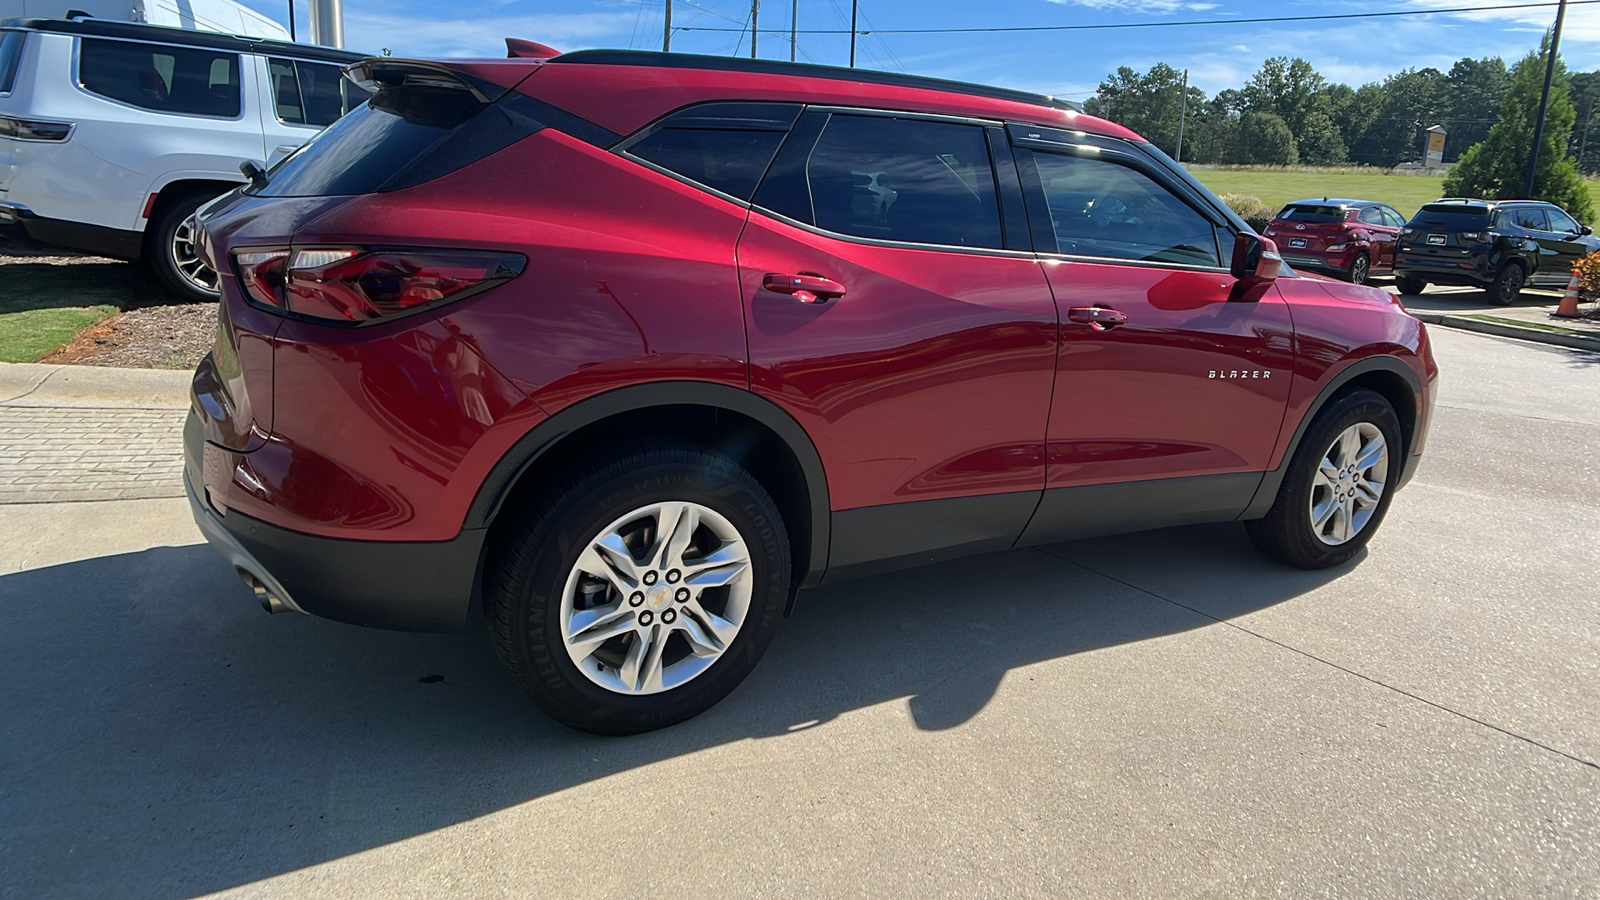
34, 130
353, 285
1470, 235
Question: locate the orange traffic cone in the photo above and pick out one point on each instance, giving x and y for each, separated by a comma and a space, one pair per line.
1569, 301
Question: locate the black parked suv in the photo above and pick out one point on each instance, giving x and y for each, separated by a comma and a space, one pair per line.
1498, 245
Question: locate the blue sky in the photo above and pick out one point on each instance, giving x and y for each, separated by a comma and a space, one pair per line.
1065, 64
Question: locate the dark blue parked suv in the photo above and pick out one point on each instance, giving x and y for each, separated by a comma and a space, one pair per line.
1498, 245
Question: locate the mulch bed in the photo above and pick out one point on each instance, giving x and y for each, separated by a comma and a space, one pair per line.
155, 329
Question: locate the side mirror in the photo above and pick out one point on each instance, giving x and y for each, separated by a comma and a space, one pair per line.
254, 172
1255, 263
1584, 229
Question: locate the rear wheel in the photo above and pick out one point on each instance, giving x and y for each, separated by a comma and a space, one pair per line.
1360, 269
172, 253
641, 592
1507, 285
1338, 485
1410, 285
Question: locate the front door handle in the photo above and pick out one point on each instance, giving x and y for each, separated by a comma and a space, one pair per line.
1099, 318
807, 287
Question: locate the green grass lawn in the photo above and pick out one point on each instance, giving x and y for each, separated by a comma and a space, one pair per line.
1276, 187
42, 306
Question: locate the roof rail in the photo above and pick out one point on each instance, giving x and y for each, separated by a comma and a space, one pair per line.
807, 70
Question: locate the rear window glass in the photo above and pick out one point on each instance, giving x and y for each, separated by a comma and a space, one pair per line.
726, 146
163, 78
1324, 215
10, 56
403, 136
1450, 219
312, 93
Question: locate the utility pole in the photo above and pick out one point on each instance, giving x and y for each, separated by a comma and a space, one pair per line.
1183, 110
755, 24
291, 20
1544, 101
854, 8
794, 28
327, 22
666, 30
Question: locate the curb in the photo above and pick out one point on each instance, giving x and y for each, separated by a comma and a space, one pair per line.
33, 385
1506, 329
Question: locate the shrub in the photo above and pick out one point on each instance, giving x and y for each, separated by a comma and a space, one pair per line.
1251, 209
1588, 272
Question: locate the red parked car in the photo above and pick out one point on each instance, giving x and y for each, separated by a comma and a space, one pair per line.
630, 348
1352, 239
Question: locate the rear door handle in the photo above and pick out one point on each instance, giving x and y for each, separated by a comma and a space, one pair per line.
807, 287
1099, 318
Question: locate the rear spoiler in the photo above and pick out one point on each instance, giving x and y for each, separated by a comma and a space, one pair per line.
517, 48
377, 73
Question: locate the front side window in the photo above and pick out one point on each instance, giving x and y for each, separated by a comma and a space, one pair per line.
1393, 219
907, 180
312, 93
163, 78
1104, 209
1562, 223
10, 58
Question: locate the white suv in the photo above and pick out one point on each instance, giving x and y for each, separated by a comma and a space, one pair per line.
112, 134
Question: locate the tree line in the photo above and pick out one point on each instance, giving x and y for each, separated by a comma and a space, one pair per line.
1288, 113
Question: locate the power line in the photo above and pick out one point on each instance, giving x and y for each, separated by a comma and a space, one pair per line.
1247, 21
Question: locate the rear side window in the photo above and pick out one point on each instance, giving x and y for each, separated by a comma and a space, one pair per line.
10, 58
403, 136
1531, 218
1102, 209
187, 80
726, 146
312, 93
1372, 215
1313, 215
903, 180
1442, 218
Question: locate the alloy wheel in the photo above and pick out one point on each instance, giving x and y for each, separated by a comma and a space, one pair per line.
656, 598
186, 258
1359, 269
1349, 484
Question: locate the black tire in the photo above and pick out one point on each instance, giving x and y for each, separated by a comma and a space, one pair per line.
1287, 532
1410, 286
1360, 269
1507, 286
162, 248
530, 562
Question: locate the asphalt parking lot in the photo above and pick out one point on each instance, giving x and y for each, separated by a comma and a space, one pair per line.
1168, 714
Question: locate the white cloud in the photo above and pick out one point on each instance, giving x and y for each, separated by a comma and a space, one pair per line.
431, 35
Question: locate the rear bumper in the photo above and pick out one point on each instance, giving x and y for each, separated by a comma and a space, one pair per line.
402, 585
1337, 263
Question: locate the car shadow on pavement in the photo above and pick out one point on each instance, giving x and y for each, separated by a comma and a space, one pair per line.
162, 736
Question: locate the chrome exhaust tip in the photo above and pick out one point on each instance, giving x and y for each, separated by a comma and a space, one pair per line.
268, 600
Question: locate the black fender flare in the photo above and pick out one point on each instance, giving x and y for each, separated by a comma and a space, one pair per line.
1267, 491
548, 433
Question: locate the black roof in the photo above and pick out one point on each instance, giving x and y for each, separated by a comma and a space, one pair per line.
805, 70
214, 40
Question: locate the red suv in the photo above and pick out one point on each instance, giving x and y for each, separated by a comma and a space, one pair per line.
629, 348
1352, 239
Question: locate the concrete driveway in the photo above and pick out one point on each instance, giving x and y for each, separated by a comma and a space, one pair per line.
1167, 714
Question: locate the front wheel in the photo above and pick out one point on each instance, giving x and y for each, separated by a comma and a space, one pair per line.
640, 593
172, 252
1338, 486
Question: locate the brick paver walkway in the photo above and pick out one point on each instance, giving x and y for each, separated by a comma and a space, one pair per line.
53, 455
